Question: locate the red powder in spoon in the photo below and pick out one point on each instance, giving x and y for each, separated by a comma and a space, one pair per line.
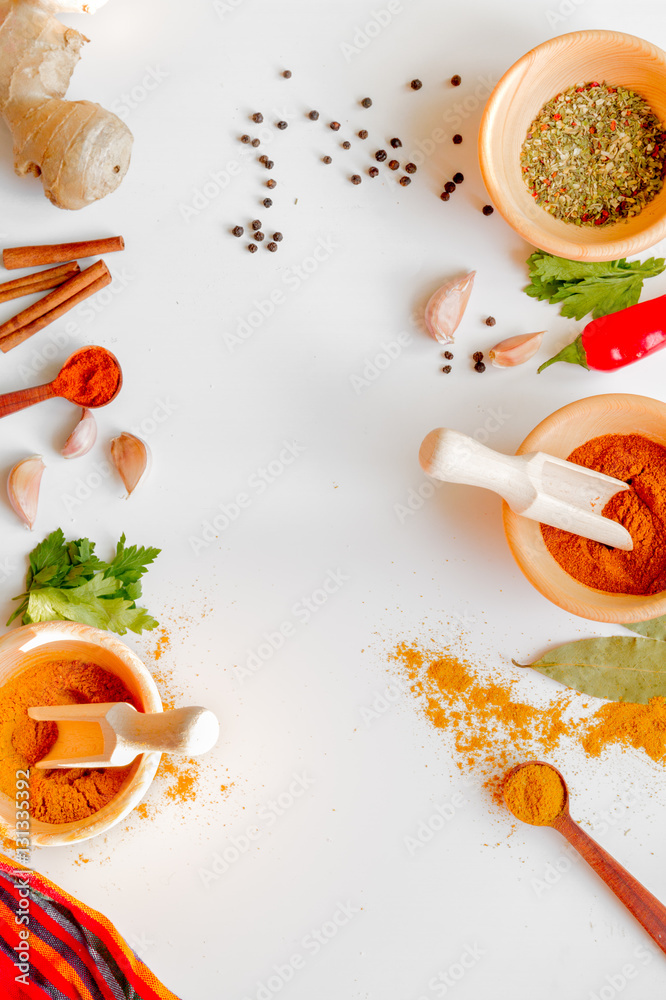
91, 377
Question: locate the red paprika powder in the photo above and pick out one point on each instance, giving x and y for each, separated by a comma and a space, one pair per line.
90, 377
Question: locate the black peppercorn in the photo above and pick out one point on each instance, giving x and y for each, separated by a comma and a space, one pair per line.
455, 81
373, 171
448, 355
477, 356
269, 164
255, 143
313, 116
479, 367
446, 369
256, 224
380, 155
450, 187
416, 85
271, 246
335, 126
267, 202
459, 178
252, 247
287, 74
281, 125
346, 145
271, 183
355, 178
393, 164
396, 143
245, 138
366, 102
487, 209
326, 159
277, 237
445, 196
259, 237
363, 134
405, 181
263, 158
457, 138
490, 321
238, 230
257, 117
410, 168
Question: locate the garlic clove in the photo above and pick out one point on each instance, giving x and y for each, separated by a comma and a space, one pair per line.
515, 350
446, 306
131, 457
82, 438
23, 487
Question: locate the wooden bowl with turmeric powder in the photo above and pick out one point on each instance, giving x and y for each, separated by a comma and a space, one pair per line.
610, 586
57, 663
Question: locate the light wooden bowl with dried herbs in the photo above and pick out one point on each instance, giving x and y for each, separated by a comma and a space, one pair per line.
561, 432
568, 60
44, 642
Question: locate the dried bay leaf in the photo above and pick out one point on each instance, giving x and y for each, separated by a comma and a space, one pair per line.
654, 628
618, 668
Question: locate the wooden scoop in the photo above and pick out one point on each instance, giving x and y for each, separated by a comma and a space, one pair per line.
538, 486
649, 912
112, 734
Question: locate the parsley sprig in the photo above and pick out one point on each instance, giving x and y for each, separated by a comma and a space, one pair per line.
66, 580
582, 287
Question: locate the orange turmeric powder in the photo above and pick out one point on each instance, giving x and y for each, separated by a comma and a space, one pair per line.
535, 794
492, 728
60, 795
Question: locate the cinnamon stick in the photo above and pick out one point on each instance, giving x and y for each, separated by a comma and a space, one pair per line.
54, 305
56, 253
40, 281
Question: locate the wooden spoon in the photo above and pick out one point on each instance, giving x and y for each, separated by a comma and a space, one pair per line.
10, 402
649, 912
112, 734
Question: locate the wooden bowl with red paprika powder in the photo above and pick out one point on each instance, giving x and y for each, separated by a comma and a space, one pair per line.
559, 434
33, 649
569, 60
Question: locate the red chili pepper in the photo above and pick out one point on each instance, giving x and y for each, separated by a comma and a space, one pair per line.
619, 339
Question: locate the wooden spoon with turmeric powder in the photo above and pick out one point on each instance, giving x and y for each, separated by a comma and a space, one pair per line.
537, 793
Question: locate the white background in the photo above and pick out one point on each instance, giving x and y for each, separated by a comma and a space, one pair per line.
442, 574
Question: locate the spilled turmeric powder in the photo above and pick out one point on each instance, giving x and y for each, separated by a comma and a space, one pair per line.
492, 727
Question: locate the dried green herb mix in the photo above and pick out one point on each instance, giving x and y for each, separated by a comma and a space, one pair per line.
594, 154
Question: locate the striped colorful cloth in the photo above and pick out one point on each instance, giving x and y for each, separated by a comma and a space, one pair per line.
74, 953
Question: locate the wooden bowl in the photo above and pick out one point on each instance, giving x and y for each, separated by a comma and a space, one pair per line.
559, 434
576, 58
31, 645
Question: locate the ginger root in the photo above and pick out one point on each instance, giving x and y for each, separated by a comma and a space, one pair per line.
80, 150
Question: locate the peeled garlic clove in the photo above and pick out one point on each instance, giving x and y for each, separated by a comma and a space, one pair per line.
82, 438
446, 306
515, 350
23, 488
131, 457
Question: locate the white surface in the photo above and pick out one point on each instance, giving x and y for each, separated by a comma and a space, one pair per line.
182, 288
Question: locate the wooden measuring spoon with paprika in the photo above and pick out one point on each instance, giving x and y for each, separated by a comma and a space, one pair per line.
536, 793
90, 377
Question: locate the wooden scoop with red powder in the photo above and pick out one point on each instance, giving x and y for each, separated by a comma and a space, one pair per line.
91, 377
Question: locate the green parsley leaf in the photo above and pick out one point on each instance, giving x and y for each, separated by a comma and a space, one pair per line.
67, 581
599, 287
